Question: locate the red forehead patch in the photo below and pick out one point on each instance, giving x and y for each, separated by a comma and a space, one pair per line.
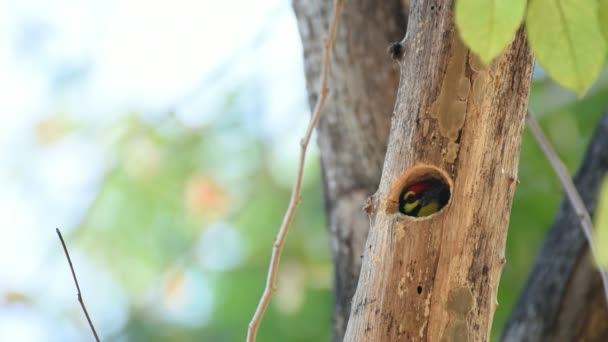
419, 187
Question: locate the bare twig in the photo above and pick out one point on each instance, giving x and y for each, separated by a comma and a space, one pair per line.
295, 193
84, 308
571, 193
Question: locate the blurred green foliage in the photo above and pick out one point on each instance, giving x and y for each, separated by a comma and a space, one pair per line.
569, 127
167, 185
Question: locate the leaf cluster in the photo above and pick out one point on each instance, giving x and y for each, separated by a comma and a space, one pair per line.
567, 37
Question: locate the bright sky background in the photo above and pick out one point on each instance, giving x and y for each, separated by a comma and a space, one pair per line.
97, 60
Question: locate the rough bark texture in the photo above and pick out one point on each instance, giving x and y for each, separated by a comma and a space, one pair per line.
563, 299
435, 278
353, 130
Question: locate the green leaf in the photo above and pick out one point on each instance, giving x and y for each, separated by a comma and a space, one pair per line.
604, 18
488, 26
566, 39
601, 226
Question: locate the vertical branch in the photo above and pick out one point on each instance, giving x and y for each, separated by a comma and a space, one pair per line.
353, 130
295, 194
571, 192
435, 278
84, 308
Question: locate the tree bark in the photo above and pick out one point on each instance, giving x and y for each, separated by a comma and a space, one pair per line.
563, 298
353, 130
435, 278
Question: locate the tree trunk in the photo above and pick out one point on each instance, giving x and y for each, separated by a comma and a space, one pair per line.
563, 298
353, 130
435, 278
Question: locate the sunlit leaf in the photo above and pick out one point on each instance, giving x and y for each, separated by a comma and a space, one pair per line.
204, 196
604, 18
601, 226
488, 26
16, 297
143, 158
51, 129
566, 39
173, 288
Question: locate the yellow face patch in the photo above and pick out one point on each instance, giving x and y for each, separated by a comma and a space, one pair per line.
409, 205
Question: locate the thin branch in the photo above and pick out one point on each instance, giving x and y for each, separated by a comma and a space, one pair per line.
571, 193
295, 193
84, 308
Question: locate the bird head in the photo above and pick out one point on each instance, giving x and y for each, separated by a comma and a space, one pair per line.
423, 198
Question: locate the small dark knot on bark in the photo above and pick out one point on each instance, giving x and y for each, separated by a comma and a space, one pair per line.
396, 51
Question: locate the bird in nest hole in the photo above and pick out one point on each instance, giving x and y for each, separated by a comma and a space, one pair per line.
423, 198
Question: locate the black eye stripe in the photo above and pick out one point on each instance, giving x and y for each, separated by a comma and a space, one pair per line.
410, 198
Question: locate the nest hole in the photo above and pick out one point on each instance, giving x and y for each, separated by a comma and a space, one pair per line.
421, 191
